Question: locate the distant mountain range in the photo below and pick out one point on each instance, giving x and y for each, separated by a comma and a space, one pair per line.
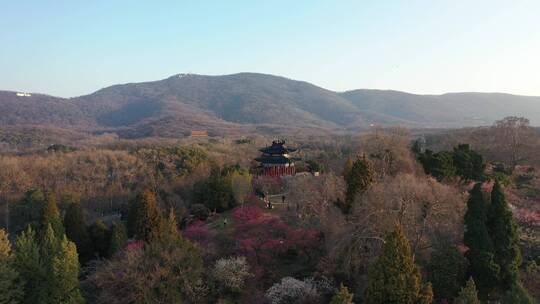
249, 102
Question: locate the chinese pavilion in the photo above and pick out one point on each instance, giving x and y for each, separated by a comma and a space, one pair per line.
276, 160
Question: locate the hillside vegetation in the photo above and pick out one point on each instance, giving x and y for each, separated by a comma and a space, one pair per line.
390, 218
253, 103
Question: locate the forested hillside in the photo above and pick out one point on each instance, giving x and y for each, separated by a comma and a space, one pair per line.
248, 103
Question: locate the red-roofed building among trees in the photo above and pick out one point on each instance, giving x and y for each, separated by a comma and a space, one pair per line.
276, 160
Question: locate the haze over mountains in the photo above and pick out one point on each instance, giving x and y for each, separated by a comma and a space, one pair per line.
256, 103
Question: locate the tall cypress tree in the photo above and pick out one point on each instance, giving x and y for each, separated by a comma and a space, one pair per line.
504, 233
11, 290
49, 269
76, 231
100, 236
394, 278
446, 271
65, 274
482, 268
51, 216
118, 238
61, 266
168, 231
147, 217
347, 168
28, 211
48, 245
358, 180
28, 263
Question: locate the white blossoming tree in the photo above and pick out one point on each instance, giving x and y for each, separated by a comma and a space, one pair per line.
231, 273
291, 290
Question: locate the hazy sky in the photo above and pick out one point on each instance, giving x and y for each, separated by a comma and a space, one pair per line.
73, 47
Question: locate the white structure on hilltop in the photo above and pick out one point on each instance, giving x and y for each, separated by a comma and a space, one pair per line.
24, 94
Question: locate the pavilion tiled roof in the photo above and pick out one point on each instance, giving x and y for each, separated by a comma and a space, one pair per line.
277, 147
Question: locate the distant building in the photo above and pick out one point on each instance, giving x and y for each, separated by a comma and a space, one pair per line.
199, 133
276, 160
24, 94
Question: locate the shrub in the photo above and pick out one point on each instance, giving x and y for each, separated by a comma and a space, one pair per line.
314, 166
200, 211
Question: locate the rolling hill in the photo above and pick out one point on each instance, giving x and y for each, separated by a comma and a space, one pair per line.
447, 110
249, 102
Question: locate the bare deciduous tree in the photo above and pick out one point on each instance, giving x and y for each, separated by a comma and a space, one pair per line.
513, 138
426, 209
312, 197
12, 180
389, 151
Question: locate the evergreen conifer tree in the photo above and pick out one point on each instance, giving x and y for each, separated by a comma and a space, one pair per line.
347, 168
517, 294
29, 209
358, 180
100, 236
439, 165
11, 289
65, 274
342, 296
147, 219
394, 278
216, 192
468, 294
49, 269
28, 263
76, 231
49, 245
504, 233
426, 294
482, 267
51, 216
416, 148
168, 230
446, 271
442, 165
118, 238
469, 164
